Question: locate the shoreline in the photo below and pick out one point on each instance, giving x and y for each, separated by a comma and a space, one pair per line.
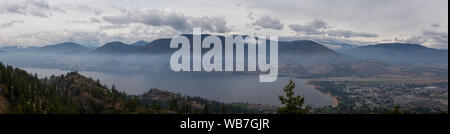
332, 97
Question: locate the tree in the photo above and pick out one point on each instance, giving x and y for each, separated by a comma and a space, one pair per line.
155, 106
396, 110
132, 104
173, 103
186, 107
293, 104
223, 109
205, 109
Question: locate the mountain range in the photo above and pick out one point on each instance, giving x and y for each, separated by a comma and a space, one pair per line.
398, 53
66, 47
301, 58
140, 43
114, 48
387, 52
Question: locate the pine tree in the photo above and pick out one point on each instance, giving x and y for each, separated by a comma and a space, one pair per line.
186, 107
223, 109
396, 110
293, 104
205, 109
173, 104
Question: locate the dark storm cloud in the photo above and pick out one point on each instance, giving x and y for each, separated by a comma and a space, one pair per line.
39, 8
269, 23
174, 20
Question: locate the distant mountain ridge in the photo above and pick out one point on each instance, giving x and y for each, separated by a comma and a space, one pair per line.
301, 58
400, 53
304, 47
17, 48
159, 46
338, 47
66, 47
114, 48
140, 43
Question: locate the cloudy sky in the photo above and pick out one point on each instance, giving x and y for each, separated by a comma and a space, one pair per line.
93, 23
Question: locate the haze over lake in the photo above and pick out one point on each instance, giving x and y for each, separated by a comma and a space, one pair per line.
220, 87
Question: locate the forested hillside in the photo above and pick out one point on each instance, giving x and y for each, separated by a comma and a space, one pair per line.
21, 92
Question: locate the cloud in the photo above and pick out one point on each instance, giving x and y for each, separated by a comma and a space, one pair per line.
269, 23
127, 34
353, 19
435, 25
10, 24
171, 19
430, 38
327, 40
319, 27
350, 34
250, 14
39, 8
87, 8
91, 20
95, 20
315, 27
212, 24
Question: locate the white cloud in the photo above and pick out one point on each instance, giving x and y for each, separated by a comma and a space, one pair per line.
357, 20
126, 34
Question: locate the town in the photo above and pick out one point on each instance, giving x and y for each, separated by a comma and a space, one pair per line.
425, 96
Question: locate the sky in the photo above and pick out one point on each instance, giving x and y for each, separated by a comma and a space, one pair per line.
94, 23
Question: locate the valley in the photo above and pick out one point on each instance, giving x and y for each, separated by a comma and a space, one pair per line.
367, 79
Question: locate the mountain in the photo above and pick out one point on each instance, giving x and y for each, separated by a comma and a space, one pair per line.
161, 46
72, 93
304, 48
140, 43
66, 47
400, 54
11, 48
158, 46
339, 47
115, 48
303, 58
308, 59
17, 49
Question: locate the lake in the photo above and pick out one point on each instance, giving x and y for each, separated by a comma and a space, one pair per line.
220, 87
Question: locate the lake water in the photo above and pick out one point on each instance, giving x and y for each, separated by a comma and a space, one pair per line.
220, 87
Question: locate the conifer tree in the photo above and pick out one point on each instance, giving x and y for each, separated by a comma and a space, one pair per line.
293, 104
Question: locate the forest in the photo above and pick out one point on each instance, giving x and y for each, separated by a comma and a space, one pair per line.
72, 93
